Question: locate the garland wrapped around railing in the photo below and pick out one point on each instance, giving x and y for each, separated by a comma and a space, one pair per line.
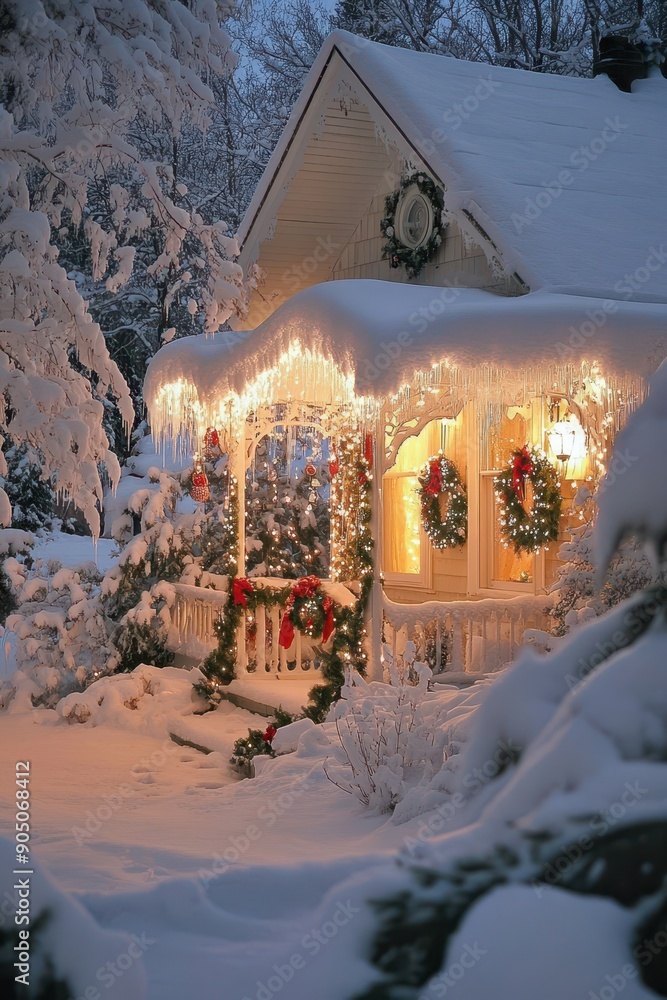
307, 608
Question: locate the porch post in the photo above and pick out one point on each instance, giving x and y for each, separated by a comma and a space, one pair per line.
239, 470
374, 626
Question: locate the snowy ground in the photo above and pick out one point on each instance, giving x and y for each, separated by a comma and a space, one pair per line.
220, 874
164, 841
72, 550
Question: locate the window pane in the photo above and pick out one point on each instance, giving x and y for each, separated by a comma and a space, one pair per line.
402, 543
509, 566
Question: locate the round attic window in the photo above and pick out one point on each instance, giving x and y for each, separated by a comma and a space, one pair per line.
414, 218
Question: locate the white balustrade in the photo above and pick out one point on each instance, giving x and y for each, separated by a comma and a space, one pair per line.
471, 637
459, 637
196, 609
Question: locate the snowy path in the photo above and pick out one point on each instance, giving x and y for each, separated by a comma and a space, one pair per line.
161, 840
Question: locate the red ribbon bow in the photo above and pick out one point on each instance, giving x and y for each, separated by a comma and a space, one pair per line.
434, 485
522, 466
240, 588
286, 637
306, 586
269, 734
211, 439
368, 450
329, 623
334, 467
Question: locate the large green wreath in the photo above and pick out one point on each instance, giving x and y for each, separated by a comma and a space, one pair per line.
529, 531
440, 477
413, 259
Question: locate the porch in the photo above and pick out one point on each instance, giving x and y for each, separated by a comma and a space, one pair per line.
461, 641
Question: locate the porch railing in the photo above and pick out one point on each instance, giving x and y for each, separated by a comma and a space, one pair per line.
470, 637
195, 610
455, 637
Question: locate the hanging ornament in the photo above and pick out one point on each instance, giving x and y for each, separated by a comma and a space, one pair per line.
211, 440
312, 497
315, 483
311, 470
199, 490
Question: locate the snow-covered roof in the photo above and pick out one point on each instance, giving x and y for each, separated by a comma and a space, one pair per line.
565, 175
380, 333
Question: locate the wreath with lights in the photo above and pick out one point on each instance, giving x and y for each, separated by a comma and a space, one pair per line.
412, 258
309, 610
529, 530
439, 478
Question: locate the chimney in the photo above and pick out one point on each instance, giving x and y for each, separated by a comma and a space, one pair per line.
622, 60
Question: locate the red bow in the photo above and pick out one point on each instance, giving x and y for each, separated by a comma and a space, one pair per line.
286, 637
434, 485
522, 466
368, 450
241, 587
211, 439
333, 466
329, 624
269, 734
306, 586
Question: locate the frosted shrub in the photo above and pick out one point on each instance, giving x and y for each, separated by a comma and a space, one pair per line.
577, 598
62, 642
388, 739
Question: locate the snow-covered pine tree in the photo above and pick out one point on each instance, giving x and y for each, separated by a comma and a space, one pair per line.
287, 514
30, 495
116, 65
577, 599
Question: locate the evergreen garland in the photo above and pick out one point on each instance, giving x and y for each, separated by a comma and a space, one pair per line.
529, 531
348, 648
412, 258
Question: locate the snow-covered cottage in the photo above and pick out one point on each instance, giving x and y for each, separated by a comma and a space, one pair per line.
465, 290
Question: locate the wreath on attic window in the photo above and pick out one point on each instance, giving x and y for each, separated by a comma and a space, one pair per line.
412, 223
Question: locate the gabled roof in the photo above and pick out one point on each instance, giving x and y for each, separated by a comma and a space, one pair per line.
566, 176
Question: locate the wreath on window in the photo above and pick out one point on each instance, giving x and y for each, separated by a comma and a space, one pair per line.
529, 530
440, 478
412, 258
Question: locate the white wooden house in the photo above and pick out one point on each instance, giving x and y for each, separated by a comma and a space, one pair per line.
457, 259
